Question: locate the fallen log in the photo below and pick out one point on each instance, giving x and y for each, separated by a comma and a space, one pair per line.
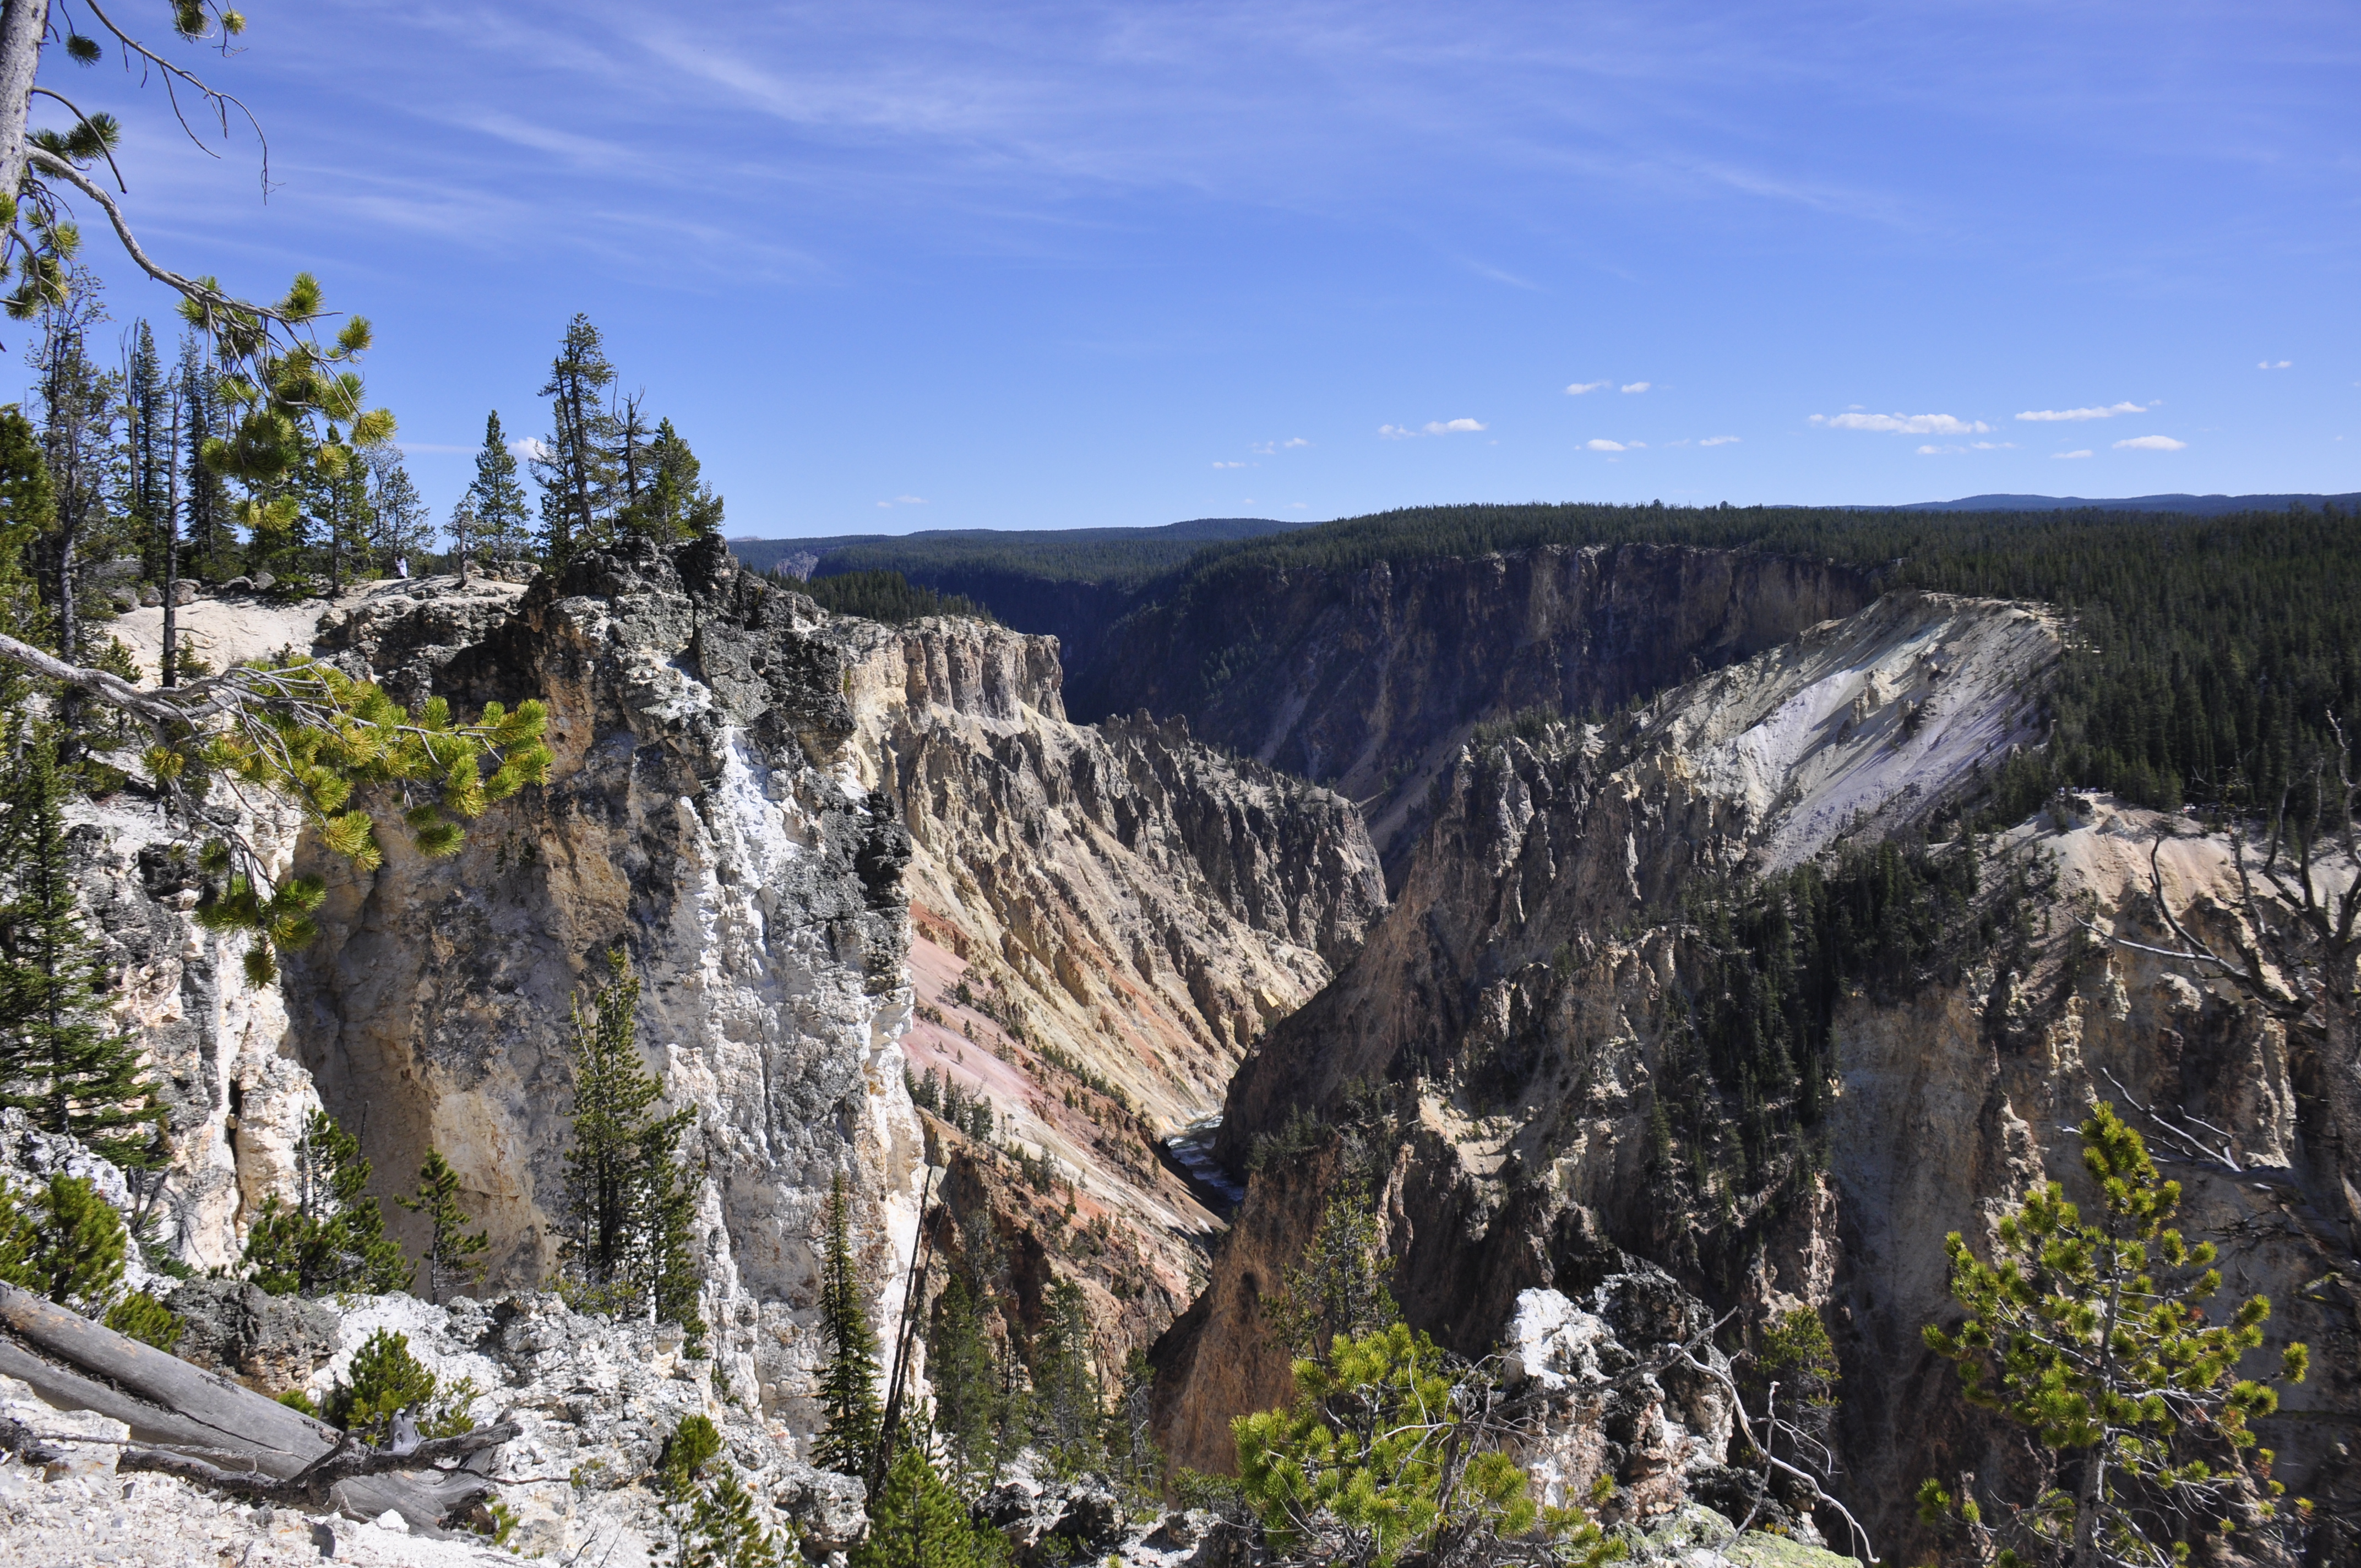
182, 1412
311, 1486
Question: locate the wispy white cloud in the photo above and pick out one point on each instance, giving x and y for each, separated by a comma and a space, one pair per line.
1908, 424
1578, 387
2062, 457
1991, 445
1720, 440
1939, 450
1637, 385
1218, 463
1271, 448
2276, 365
2110, 411
2151, 444
904, 502
528, 449
1598, 445
1431, 427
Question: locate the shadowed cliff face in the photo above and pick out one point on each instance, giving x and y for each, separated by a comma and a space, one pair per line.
1369, 680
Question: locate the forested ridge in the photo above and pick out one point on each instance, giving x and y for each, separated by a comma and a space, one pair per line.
2209, 656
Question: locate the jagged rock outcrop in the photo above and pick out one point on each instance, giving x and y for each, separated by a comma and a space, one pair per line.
1526, 1004
1104, 919
699, 813
1864, 726
1369, 679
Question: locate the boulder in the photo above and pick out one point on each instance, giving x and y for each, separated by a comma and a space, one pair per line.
270, 1344
831, 1511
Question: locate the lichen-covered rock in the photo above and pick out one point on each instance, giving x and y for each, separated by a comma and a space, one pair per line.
270, 1344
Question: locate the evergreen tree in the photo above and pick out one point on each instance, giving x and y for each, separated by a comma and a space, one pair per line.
2090, 1333
337, 496
58, 1061
454, 1258
65, 1241
1068, 1398
334, 1239
204, 498
496, 498
77, 423
629, 1196
848, 1374
576, 468
917, 1521
629, 460
28, 506
971, 1408
402, 532
147, 454
1340, 1285
673, 503
710, 1509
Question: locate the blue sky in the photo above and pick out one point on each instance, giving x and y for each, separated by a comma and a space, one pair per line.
912, 265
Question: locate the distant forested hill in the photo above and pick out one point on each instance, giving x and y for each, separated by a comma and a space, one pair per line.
2213, 652
1071, 583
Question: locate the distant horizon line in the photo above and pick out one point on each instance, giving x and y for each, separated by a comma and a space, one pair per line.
2205, 504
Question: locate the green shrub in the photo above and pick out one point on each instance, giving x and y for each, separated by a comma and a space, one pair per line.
385, 1378
1384, 1454
141, 1316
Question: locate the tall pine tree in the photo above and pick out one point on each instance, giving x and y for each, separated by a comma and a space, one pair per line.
629, 1196
146, 447
400, 529
917, 1521
204, 498
577, 467
59, 1062
500, 526
334, 1238
847, 1378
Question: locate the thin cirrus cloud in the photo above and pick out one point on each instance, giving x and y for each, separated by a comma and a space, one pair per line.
1597, 444
1907, 424
1580, 388
1273, 448
2067, 456
1431, 427
1637, 385
1720, 440
2151, 444
2110, 411
904, 502
1219, 463
2276, 365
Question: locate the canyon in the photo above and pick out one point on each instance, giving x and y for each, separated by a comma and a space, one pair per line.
1398, 868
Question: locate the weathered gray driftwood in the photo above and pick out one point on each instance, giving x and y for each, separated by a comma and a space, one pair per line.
180, 1412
